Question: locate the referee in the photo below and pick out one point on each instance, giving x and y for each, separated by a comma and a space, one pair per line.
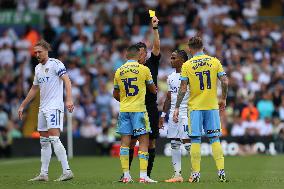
150, 99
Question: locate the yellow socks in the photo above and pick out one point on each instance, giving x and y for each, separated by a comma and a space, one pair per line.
124, 158
143, 159
218, 155
195, 155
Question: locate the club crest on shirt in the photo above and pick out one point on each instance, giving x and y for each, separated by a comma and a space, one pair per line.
46, 70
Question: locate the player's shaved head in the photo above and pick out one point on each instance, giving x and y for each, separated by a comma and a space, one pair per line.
195, 43
133, 52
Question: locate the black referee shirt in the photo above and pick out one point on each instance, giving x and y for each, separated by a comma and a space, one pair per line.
153, 64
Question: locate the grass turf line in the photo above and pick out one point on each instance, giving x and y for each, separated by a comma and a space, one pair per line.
254, 172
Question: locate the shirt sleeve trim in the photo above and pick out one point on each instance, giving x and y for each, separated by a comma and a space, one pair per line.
183, 78
221, 74
149, 82
116, 87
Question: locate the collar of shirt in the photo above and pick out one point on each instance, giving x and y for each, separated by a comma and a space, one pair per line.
131, 61
198, 54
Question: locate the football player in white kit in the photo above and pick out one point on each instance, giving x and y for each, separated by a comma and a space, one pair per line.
50, 74
177, 132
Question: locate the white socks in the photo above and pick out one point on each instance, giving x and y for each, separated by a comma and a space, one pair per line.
60, 152
187, 146
126, 174
176, 156
45, 154
143, 174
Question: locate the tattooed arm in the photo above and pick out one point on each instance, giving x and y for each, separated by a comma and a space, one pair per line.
181, 93
224, 84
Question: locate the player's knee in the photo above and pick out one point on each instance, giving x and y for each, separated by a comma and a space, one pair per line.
214, 139
196, 139
54, 139
44, 142
175, 144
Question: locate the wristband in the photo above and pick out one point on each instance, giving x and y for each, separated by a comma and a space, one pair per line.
163, 114
155, 28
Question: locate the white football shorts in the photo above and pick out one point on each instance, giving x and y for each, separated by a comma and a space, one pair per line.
50, 119
179, 129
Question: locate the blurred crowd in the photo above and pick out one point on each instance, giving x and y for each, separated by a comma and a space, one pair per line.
90, 37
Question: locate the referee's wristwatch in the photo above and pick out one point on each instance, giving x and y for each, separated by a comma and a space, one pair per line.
155, 28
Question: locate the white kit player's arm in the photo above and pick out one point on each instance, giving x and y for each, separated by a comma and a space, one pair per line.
166, 108
29, 97
68, 88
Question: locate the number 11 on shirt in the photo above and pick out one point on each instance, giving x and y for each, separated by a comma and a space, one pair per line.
200, 76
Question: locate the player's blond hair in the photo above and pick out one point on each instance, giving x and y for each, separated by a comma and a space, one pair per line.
42, 43
195, 43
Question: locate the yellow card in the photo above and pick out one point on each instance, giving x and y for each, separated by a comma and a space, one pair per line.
151, 13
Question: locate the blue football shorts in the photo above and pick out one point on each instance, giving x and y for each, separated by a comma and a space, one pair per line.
207, 120
133, 123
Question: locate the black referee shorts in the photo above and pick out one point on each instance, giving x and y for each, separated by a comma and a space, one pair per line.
153, 114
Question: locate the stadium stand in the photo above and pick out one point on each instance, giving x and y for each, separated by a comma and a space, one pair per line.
90, 37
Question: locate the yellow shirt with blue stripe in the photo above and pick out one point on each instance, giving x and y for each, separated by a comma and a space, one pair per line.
131, 79
202, 72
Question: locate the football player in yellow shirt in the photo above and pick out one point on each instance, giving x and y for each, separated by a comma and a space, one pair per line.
130, 83
202, 72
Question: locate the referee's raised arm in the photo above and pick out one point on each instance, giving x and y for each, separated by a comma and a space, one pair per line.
156, 41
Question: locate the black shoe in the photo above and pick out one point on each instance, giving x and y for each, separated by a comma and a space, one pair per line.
121, 178
222, 176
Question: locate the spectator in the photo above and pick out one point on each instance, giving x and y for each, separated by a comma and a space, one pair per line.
105, 141
265, 106
89, 129
5, 143
265, 127
90, 38
3, 118
238, 128
250, 112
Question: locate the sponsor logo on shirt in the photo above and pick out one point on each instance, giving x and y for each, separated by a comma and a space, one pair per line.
43, 79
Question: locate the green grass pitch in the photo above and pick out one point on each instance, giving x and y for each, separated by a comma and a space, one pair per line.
254, 172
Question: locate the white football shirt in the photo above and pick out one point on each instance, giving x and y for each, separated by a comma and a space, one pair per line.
51, 85
173, 87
